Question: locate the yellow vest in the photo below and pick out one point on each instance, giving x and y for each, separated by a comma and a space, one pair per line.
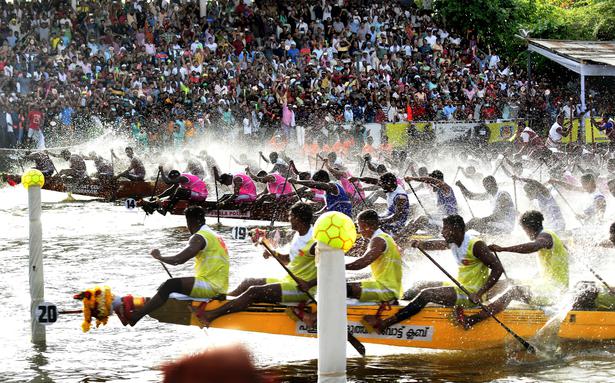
303, 264
472, 273
553, 263
387, 268
212, 263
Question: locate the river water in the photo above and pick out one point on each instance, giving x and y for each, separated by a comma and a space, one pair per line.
92, 243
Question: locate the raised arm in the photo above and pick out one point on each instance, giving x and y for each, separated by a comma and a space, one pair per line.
195, 244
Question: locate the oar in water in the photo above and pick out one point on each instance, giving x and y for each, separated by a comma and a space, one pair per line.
351, 338
456, 173
528, 347
468, 203
565, 200
418, 199
217, 197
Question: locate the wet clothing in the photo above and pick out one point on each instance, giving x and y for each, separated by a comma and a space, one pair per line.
302, 265
211, 266
196, 186
280, 186
472, 273
447, 203
339, 202
392, 200
247, 191
553, 214
385, 284
43, 163
77, 165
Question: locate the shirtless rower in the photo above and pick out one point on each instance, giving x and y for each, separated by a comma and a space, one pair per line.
104, 169
536, 191
193, 165
594, 212
398, 206
299, 260
502, 218
184, 187
247, 163
557, 132
336, 198
244, 189
446, 202
76, 165
279, 165
211, 269
479, 270
136, 170
42, 162
552, 266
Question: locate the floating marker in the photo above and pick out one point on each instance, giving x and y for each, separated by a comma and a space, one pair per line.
239, 232
130, 203
46, 313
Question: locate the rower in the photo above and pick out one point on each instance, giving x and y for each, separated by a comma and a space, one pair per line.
300, 260
193, 165
527, 139
557, 132
210, 162
336, 198
104, 169
383, 257
277, 187
546, 203
244, 189
185, 187
247, 163
339, 171
279, 165
594, 212
136, 170
42, 162
398, 205
479, 270
211, 268
446, 203
76, 165
502, 218
471, 173
552, 266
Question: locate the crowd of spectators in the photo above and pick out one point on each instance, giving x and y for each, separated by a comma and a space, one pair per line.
251, 70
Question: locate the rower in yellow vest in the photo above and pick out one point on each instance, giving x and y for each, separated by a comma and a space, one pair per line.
552, 268
211, 268
384, 259
300, 261
479, 270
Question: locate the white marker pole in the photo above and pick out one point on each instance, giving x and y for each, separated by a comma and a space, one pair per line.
37, 282
332, 326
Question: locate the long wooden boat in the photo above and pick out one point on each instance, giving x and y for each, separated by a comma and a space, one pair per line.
431, 328
99, 188
264, 212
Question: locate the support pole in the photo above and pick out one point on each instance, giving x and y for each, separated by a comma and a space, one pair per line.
33, 181
332, 323
583, 111
202, 8
73, 4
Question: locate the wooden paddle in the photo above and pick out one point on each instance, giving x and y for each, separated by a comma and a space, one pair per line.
418, 200
275, 209
217, 197
528, 347
351, 338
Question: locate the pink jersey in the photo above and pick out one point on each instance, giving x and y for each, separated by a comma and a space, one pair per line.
195, 185
248, 188
356, 194
319, 195
280, 186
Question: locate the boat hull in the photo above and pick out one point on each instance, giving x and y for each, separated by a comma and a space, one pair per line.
93, 187
431, 328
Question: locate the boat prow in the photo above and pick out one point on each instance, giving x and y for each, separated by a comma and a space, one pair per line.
432, 328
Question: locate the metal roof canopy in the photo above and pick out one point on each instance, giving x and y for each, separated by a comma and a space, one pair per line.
587, 58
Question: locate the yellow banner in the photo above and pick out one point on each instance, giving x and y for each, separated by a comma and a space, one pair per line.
574, 135
398, 132
599, 137
501, 131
